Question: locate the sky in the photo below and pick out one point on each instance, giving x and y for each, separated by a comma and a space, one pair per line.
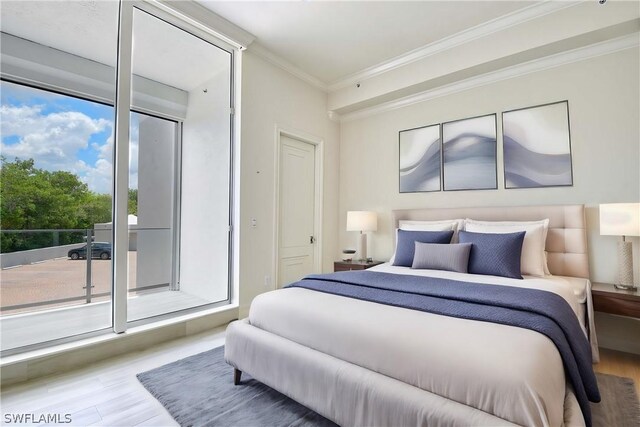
62, 133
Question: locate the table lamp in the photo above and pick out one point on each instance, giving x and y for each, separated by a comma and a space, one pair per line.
622, 219
362, 221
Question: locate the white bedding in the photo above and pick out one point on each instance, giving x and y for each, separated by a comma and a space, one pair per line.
572, 289
513, 373
575, 290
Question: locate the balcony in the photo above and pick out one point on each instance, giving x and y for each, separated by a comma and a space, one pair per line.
45, 295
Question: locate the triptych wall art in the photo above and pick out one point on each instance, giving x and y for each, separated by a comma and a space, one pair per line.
420, 159
469, 154
462, 154
537, 146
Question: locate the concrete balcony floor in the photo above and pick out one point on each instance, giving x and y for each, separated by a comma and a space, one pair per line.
32, 328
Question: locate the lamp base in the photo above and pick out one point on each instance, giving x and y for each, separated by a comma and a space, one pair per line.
625, 265
362, 247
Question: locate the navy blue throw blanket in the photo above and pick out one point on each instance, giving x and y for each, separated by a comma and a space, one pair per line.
540, 311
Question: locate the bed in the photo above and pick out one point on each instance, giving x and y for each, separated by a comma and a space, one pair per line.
359, 362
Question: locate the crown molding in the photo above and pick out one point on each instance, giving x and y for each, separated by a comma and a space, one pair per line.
205, 19
282, 63
498, 24
541, 64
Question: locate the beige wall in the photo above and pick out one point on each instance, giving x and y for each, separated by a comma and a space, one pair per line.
604, 99
270, 97
603, 96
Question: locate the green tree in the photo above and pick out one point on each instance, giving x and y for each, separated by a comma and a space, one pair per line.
96, 209
33, 198
133, 201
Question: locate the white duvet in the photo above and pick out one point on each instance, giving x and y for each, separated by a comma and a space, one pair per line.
513, 373
575, 290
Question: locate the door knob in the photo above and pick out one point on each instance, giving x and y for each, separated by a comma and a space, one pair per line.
312, 239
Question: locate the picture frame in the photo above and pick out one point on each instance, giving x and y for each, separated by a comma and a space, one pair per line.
537, 146
419, 159
469, 153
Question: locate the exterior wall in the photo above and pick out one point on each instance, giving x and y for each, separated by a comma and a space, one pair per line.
104, 233
13, 259
205, 191
156, 180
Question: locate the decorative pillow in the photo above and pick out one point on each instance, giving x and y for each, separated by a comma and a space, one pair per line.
434, 256
495, 254
405, 246
442, 225
533, 260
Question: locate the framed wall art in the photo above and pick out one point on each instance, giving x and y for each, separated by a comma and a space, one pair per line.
420, 159
469, 154
537, 146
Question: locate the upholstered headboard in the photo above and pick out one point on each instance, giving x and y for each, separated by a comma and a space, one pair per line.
566, 246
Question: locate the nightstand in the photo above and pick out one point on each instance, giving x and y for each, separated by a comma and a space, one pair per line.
608, 299
354, 265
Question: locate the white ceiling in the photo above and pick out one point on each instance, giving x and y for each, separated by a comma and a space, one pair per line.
331, 40
327, 40
89, 29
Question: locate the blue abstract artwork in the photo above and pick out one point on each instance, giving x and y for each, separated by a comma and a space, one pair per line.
469, 154
537, 147
420, 159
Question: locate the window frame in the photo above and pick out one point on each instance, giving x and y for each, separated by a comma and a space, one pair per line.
120, 178
125, 46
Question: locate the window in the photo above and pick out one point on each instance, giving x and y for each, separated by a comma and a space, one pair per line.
182, 230
62, 125
55, 187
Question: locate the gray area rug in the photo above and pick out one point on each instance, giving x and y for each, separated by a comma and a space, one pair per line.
619, 406
199, 391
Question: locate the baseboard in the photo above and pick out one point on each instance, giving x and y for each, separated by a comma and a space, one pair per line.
67, 357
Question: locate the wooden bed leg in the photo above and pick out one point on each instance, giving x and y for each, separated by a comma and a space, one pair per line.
237, 374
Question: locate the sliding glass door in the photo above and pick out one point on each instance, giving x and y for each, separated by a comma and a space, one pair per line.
116, 168
179, 157
56, 184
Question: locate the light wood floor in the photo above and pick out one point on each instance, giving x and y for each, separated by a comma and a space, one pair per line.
620, 364
108, 393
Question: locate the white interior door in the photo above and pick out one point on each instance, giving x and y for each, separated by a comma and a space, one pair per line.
296, 241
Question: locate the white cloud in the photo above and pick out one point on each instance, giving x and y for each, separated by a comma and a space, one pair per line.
53, 141
98, 177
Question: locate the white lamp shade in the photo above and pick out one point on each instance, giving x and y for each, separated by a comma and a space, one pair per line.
620, 219
362, 221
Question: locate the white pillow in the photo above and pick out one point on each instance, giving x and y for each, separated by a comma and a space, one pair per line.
442, 225
546, 261
533, 261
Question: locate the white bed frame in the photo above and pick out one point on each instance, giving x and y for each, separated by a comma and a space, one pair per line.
357, 396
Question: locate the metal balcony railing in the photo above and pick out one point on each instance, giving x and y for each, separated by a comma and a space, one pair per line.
25, 283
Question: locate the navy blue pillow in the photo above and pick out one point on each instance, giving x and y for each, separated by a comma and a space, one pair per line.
494, 254
406, 246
